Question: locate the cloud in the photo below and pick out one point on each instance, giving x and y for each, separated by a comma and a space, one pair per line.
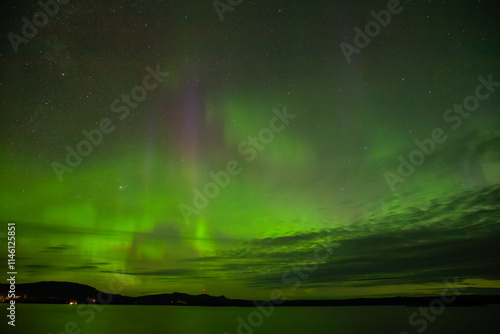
207, 259
162, 272
82, 268
286, 240
56, 249
455, 236
38, 266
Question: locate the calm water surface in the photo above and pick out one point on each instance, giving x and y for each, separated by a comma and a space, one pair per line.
58, 319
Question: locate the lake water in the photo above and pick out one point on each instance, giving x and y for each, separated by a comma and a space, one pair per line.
119, 319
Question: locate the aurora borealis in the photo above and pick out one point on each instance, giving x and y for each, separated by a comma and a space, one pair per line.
315, 178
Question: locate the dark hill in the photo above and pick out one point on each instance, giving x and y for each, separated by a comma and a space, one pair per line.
64, 292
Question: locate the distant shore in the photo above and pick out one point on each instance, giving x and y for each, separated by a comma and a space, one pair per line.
74, 293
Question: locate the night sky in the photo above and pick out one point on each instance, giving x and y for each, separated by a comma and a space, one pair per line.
217, 155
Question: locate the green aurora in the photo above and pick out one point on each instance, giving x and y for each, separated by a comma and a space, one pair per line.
319, 180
